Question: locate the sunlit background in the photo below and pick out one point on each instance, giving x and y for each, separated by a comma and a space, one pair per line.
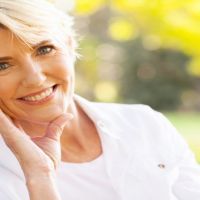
141, 51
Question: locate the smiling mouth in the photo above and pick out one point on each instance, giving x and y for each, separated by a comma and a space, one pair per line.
41, 96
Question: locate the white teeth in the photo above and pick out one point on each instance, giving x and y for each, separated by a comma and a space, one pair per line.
40, 96
43, 95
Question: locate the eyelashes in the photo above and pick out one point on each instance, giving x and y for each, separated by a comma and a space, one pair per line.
44, 50
4, 66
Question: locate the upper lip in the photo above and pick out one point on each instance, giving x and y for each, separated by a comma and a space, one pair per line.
35, 93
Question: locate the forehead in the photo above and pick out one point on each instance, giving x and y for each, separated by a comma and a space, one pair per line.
9, 43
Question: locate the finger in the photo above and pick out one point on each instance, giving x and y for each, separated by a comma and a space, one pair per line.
7, 128
16, 140
19, 126
10, 129
55, 128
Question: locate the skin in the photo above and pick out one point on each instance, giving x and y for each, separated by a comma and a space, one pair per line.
41, 135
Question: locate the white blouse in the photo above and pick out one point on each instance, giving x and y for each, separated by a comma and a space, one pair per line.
144, 158
87, 180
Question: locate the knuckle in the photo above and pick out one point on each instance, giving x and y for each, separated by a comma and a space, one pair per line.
56, 128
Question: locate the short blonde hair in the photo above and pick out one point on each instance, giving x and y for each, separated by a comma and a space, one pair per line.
35, 20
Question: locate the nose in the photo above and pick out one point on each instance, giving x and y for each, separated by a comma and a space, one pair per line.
33, 75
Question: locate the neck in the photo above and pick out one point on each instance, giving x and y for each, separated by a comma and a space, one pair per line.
80, 136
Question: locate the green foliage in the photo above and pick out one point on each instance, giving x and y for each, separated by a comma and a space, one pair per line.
156, 78
175, 23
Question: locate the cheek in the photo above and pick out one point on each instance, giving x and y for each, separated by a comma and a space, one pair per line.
8, 90
7, 94
10, 84
62, 68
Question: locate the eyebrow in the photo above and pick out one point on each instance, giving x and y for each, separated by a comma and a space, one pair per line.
5, 58
40, 44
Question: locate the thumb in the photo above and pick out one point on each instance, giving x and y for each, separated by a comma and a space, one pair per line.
55, 128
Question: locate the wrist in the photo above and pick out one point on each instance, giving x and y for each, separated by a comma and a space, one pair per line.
38, 171
39, 181
43, 187
35, 178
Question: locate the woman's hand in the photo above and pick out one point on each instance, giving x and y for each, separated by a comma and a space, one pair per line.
39, 156
35, 154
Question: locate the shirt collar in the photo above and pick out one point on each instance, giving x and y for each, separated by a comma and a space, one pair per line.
97, 115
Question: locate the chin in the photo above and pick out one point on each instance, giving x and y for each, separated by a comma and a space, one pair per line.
46, 117
42, 115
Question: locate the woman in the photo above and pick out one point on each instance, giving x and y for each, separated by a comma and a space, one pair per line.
56, 145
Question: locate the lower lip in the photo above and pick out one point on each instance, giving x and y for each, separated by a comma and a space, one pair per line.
42, 101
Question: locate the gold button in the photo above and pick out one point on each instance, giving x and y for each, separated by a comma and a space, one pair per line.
162, 166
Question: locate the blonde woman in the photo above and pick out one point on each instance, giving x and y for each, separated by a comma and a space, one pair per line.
56, 145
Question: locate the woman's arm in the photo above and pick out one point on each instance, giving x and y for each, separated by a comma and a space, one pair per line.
38, 157
43, 187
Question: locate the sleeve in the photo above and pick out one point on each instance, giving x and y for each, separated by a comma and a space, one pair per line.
4, 196
187, 185
11, 186
8, 195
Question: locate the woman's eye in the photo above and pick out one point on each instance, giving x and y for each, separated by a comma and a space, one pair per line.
44, 50
4, 66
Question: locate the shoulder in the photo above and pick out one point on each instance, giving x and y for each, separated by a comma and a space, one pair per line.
117, 108
135, 114
138, 125
142, 124
136, 120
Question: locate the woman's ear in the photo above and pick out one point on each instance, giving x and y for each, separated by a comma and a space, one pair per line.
71, 44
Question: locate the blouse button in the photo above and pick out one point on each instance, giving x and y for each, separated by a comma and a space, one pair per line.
161, 166
100, 124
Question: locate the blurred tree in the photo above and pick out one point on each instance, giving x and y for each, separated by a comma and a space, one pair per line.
156, 78
174, 23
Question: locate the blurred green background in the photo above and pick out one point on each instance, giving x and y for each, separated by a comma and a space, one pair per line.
141, 51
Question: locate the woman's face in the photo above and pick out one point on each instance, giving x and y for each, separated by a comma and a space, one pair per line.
35, 84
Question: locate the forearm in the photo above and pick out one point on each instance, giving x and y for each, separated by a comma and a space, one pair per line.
41, 188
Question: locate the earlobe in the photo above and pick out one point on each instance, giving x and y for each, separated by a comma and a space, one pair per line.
71, 44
